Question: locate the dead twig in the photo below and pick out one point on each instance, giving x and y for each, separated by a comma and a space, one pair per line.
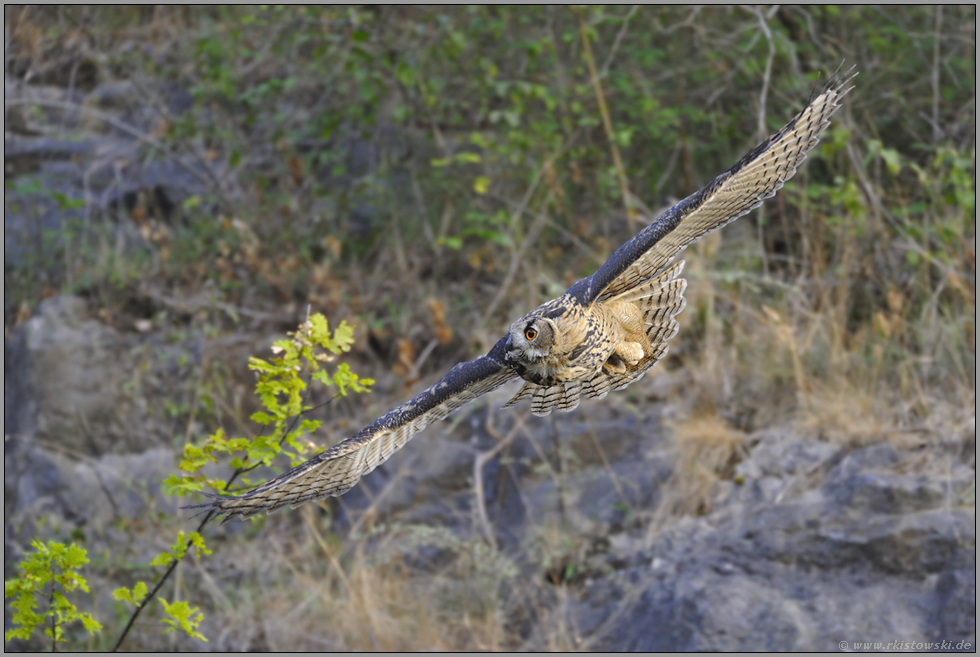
478, 491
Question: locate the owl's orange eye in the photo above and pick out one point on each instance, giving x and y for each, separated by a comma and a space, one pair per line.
531, 333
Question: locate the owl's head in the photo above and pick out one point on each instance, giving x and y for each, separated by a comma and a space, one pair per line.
531, 338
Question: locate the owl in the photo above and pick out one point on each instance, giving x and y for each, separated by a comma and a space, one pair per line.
602, 334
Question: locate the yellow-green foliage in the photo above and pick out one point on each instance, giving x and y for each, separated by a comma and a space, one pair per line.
48, 573
51, 571
181, 615
282, 389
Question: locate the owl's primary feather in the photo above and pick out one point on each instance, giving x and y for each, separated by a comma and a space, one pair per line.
605, 332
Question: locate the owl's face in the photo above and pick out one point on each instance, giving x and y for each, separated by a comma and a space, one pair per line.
531, 339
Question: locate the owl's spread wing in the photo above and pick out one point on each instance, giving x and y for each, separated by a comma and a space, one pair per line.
336, 470
658, 300
748, 183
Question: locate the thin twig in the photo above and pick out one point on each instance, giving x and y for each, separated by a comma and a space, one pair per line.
868, 188
54, 627
767, 75
209, 514
478, 464
618, 41
423, 211
763, 95
151, 101
560, 467
188, 305
517, 252
581, 244
413, 374
937, 132
331, 557
606, 120
152, 594
613, 477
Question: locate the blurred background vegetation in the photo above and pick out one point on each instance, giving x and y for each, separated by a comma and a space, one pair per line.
431, 173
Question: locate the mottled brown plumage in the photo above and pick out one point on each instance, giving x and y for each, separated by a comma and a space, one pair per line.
605, 332
614, 342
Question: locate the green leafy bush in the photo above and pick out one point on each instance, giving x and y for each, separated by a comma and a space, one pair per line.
48, 573
53, 569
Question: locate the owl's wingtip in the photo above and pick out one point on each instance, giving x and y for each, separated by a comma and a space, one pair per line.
219, 508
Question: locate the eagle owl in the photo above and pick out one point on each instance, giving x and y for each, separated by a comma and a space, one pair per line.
602, 334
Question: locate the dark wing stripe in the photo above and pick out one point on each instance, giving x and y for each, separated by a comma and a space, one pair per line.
657, 294
752, 179
336, 470
663, 332
659, 300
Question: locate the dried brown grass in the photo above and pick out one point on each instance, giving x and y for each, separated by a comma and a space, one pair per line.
705, 449
306, 590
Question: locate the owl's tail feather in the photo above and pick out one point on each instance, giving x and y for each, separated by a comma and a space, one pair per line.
563, 396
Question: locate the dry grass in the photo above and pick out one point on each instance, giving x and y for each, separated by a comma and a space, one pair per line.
305, 590
706, 449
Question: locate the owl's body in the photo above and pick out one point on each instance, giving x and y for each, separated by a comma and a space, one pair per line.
596, 348
605, 332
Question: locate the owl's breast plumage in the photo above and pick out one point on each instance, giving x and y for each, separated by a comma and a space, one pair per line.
584, 339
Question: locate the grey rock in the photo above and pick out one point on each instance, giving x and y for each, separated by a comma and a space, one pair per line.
868, 556
92, 493
77, 368
776, 454
71, 165
80, 416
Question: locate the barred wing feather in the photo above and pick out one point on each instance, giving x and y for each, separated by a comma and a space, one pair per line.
749, 182
339, 468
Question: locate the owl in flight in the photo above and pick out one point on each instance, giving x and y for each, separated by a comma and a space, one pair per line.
602, 334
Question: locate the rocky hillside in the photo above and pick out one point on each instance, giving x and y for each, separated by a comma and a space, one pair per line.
806, 545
